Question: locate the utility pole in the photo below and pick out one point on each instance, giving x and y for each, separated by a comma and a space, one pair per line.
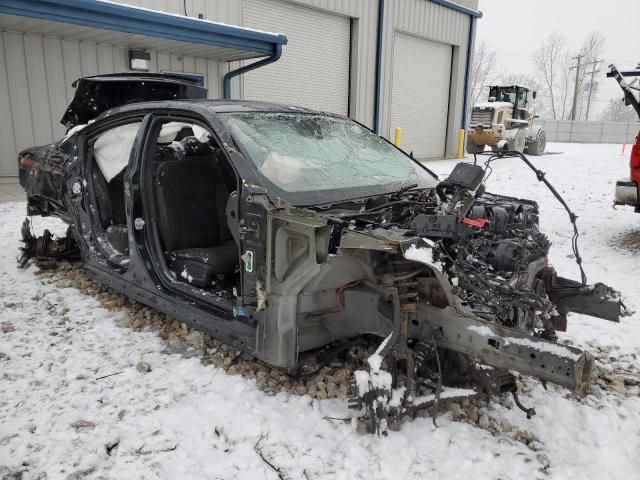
575, 88
593, 72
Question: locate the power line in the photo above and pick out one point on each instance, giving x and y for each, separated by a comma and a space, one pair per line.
575, 87
594, 64
608, 59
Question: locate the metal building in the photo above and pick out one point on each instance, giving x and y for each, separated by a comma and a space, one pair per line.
385, 63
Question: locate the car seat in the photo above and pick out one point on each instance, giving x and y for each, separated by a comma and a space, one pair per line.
192, 196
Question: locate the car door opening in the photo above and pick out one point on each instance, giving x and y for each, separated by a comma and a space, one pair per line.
192, 182
108, 155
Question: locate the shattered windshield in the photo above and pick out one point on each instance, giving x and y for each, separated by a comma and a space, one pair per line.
310, 158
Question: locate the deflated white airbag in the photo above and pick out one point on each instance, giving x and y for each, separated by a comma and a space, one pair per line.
113, 148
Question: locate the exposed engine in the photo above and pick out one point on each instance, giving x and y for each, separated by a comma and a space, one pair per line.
497, 264
488, 245
491, 249
495, 258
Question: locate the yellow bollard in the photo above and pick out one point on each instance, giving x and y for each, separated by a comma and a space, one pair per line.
461, 144
397, 137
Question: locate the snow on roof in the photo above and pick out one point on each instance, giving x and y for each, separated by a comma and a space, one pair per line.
511, 86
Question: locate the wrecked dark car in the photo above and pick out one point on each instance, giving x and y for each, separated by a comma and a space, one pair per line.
291, 234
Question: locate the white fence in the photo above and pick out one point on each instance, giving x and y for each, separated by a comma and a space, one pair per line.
589, 132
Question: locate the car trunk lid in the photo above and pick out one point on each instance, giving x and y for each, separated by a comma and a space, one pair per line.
99, 93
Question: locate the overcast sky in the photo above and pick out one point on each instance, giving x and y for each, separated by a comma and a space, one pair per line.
514, 28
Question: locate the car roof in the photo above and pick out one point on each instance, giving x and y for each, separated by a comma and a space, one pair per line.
214, 106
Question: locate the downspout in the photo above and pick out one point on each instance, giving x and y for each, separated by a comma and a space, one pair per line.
378, 79
467, 73
226, 86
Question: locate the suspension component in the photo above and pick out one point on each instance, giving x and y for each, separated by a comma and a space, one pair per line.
387, 385
46, 249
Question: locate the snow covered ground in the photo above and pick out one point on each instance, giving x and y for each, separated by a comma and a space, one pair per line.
186, 420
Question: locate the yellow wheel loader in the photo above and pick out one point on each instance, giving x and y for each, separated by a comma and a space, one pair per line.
505, 122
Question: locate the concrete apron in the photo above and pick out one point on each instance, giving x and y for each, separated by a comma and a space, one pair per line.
11, 192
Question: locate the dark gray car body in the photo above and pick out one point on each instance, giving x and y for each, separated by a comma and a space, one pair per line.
303, 257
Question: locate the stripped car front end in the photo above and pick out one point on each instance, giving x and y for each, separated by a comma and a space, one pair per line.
459, 298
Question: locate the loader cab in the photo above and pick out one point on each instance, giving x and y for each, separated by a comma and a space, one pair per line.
516, 95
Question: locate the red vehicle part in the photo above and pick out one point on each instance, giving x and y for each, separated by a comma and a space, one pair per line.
627, 192
627, 189
634, 161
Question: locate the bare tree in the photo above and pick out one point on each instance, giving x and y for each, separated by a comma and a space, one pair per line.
592, 49
547, 59
555, 68
565, 91
482, 69
617, 111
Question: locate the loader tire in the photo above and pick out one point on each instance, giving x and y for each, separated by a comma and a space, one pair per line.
538, 147
474, 147
518, 142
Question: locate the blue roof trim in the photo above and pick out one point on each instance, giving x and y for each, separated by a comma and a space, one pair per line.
150, 23
458, 8
467, 71
378, 72
226, 83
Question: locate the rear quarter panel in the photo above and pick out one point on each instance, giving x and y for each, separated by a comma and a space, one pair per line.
42, 173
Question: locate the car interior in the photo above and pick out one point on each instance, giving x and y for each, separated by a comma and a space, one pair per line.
110, 152
192, 181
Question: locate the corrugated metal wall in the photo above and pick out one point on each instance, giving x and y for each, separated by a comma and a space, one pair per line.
433, 22
420, 94
36, 73
363, 12
319, 48
418, 17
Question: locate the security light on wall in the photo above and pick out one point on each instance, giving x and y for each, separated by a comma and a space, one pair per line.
139, 60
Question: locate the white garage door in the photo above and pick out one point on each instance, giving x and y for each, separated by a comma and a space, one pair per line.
314, 68
420, 94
